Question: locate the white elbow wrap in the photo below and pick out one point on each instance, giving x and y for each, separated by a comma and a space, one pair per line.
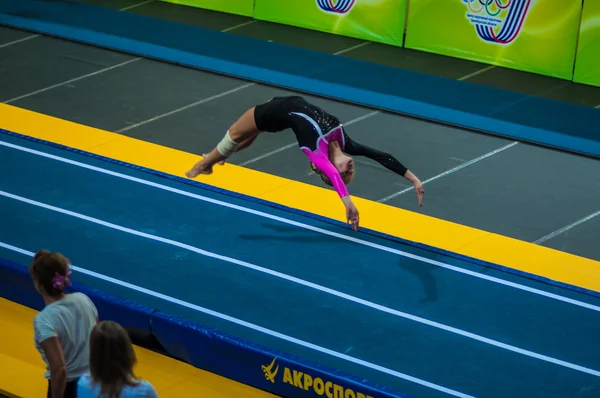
227, 146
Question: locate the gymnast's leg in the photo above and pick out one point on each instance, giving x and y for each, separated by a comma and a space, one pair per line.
241, 135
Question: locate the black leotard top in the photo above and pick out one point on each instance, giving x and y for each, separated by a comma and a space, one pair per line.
315, 129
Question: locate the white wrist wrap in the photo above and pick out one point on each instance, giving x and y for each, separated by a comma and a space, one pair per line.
227, 146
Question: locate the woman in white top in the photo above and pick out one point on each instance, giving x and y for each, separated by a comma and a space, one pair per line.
62, 329
111, 366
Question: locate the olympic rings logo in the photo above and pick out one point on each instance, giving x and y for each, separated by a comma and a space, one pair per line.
488, 21
489, 5
336, 6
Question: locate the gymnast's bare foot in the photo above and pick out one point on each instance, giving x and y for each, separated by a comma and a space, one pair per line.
199, 168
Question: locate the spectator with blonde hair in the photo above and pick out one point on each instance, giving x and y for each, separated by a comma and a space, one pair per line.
62, 329
111, 366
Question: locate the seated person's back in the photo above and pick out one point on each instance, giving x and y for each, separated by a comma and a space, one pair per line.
86, 389
111, 366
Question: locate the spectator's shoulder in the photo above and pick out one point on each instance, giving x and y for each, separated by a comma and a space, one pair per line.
43, 317
84, 385
79, 296
83, 298
147, 390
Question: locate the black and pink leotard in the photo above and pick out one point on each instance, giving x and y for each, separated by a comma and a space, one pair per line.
315, 129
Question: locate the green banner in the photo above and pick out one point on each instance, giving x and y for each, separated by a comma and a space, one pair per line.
373, 20
239, 7
536, 36
587, 63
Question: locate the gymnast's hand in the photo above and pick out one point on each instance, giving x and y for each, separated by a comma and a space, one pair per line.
351, 213
418, 185
420, 191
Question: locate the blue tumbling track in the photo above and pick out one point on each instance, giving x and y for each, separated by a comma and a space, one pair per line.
423, 322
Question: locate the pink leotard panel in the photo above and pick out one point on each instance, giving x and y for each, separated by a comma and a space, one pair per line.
320, 157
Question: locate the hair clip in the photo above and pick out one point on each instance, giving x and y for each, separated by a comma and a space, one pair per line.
60, 282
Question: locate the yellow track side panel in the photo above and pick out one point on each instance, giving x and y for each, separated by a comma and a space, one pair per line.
379, 217
22, 369
21, 379
171, 161
411, 226
51, 129
537, 260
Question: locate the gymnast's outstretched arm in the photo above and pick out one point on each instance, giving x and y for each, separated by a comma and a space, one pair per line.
388, 161
320, 159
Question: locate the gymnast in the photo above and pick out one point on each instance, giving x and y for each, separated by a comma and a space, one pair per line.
320, 136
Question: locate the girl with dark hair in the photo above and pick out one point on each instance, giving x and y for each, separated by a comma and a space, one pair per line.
62, 329
111, 366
